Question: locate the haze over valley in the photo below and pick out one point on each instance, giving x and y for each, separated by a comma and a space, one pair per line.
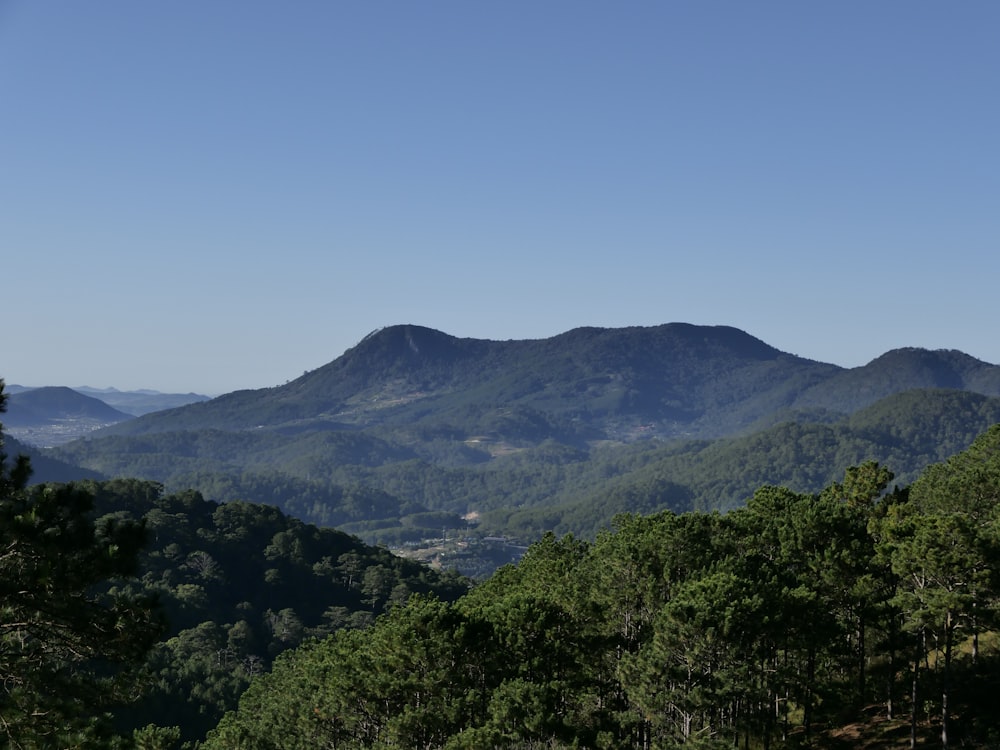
414, 437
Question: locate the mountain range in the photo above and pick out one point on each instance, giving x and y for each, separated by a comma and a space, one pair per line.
413, 429
142, 401
52, 415
130, 403
675, 380
39, 406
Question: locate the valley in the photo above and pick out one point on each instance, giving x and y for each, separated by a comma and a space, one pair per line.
380, 500
412, 429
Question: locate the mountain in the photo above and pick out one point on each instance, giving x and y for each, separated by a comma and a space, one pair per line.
143, 401
132, 403
675, 380
669, 380
902, 370
56, 414
44, 468
413, 431
53, 403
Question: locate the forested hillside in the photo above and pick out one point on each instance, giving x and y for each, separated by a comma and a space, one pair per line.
414, 436
54, 415
238, 585
431, 444
858, 616
675, 380
122, 606
45, 468
373, 485
865, 613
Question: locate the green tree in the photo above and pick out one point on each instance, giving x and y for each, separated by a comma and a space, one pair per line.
67, 648
944, 546
968, 484
695, 666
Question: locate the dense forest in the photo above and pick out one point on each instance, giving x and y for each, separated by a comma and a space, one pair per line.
413, 431
115, 588
850, 617
860, 614
239, 584
392, 494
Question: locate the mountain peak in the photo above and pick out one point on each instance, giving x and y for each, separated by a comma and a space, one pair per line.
942, 368
409, 339
31, 413
405, 348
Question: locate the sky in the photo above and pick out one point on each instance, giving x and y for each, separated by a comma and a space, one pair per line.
212, 196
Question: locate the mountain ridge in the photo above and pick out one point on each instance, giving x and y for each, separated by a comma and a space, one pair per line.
673, 380
412, 423
40, 405
618, 371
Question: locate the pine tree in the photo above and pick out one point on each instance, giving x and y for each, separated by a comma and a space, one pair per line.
66, 646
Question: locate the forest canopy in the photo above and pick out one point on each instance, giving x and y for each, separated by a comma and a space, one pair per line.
781, 623
69, 648
771, 625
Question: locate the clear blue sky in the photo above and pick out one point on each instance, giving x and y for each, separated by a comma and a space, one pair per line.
206, 196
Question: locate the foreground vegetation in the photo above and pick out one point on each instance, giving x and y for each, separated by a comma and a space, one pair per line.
238, 585
115, 590
768, 626
70, 650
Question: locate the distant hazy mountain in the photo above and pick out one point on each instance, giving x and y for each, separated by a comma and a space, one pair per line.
137, 403
56, 414
53, 415
50, 404
133, 403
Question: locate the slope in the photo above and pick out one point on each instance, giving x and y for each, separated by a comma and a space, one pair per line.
673, 379
413, 430
55, 414
44, 406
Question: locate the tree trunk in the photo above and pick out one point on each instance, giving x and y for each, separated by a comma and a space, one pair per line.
975, 635
810, 682
861, 661
914, 704
945, 680
890, 683
890, 677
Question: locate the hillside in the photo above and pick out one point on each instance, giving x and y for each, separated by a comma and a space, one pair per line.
675, 380
240, 584
413, 432
904, 433
141, 402
40, 406
55, 414
44, 468
672, 380
851, 617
